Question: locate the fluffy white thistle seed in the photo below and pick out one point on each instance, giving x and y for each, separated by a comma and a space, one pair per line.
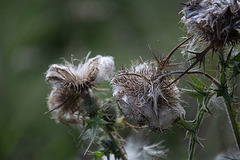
71, 85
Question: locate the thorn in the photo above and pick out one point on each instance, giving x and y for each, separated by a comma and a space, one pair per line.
52, 109
57, 106
159, 62
172, 51
198, 58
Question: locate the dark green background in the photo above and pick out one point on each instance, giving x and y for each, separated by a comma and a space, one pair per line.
35, 34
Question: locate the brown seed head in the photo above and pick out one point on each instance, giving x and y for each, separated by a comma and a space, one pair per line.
143, 97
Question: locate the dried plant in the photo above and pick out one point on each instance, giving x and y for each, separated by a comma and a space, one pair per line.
143, 96
212, 22
71, 85
147, 94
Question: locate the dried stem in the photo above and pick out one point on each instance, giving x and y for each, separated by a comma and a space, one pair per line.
172, 51
212, 79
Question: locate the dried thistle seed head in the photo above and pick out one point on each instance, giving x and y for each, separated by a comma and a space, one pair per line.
212, 22
142, 96
72, 85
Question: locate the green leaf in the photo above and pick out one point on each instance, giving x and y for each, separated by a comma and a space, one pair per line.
192, 93
98, 155
199, 90
198, 83
203, 104
188, 125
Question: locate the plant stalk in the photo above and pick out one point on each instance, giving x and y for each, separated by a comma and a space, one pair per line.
229, 108
233, 122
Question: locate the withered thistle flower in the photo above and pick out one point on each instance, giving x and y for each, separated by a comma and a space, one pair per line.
212, 22
72, 85
143, 96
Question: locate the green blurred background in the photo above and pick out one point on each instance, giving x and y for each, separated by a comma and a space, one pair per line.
35, 34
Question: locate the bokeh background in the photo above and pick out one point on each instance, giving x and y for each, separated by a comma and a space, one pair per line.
35, 34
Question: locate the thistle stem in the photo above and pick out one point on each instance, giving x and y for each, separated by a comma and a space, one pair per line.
232, 119
193, 129
227, 99
122, 154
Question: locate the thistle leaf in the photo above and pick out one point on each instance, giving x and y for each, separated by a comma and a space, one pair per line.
192, 93
198, 89
197, 82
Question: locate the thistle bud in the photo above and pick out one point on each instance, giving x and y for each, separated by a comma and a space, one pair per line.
212, 22
72, 85
143, 96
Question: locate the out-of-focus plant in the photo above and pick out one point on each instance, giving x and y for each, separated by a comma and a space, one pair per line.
147, 94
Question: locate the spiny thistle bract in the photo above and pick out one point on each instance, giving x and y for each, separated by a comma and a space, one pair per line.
143, 96
72, 86
212, 22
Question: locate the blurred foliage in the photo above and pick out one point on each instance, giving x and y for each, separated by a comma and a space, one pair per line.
35, 34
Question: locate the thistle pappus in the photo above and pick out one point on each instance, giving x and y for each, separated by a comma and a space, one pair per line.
143, 96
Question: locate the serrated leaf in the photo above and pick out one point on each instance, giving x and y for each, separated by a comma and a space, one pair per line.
199, 90
204, 104
192, 93
198, 83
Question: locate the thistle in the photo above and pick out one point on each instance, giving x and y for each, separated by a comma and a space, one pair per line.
212, 22
72, 86
143, 96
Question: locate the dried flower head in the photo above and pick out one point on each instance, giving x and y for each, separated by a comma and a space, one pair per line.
72, 85
143, 96
212, 22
